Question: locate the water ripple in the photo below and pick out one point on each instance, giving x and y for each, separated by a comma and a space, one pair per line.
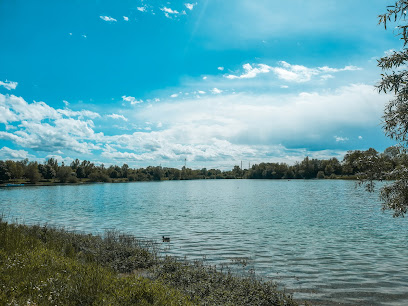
325, 241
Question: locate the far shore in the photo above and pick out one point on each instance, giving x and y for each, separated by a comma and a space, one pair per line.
25, 183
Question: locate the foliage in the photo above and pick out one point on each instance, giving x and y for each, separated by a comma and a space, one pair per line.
320, 175
48, 266
32, 173
36, 270
15, 169
212, 287
64, 173
354, 163
98, 176
4, 172
394, 80
47, 171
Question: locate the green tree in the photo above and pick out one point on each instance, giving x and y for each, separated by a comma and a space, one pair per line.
394, 80
53, 163
320, 175
237, 172
32, 173
125, 170
64, 173
47, 171
75, 164
4, 172
15, 168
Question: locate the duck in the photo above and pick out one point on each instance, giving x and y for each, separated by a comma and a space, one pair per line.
166, 239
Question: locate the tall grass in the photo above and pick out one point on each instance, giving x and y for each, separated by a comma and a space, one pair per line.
47, 266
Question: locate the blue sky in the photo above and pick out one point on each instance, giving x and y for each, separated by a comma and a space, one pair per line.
214, 82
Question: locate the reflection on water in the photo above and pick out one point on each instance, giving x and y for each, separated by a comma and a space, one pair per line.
326, 240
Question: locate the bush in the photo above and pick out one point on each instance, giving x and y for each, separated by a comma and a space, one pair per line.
43, 266
34, 270
72, 179
99, 177
320, 175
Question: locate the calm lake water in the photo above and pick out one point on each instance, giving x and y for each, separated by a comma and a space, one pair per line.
326, 240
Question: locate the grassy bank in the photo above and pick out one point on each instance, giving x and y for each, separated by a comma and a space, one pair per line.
44, 266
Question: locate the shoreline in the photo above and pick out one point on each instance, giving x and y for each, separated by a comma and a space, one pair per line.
22, 183
115, 261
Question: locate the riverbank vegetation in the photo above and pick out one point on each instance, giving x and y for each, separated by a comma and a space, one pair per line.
47, 266
393, 64
354, 163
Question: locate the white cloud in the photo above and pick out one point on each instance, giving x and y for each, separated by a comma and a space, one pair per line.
300, 74
83, 35
294, 73
62, 134
251, 72
169, 10
141, 9
340, 139
7, 153
17, 109
70, 34
360, 137
132, 100
125, 18
221, 68
389, 52
288, 72
58, 132
174, 96
66, 103
331, 70
116, 116
201, 92
9, 85
80, 114
216, 91
108, 18
211, 131
325, 77
284, 86
190, 6
263, 120
204, 78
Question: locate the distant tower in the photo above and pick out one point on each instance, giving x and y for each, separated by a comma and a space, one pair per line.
185, 163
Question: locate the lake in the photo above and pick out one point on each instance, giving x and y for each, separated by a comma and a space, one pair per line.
325, 240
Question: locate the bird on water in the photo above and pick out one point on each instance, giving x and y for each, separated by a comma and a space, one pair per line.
166, 239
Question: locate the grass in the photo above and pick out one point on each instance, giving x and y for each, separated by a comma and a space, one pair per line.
48, 266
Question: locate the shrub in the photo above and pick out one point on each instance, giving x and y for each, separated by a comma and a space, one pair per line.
320, 175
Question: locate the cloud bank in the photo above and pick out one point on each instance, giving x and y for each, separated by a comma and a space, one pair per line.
215, 130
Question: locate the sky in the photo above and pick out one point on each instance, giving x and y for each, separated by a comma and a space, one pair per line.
210, 83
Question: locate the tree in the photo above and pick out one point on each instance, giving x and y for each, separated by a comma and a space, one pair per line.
4, 172
53, 163
125, 170
47, 171
75, 164
394, 80
32, 173
15, 168
64, 173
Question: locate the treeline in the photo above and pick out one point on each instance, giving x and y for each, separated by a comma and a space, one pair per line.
353, 163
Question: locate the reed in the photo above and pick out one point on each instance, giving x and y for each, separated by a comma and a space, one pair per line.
42, 265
